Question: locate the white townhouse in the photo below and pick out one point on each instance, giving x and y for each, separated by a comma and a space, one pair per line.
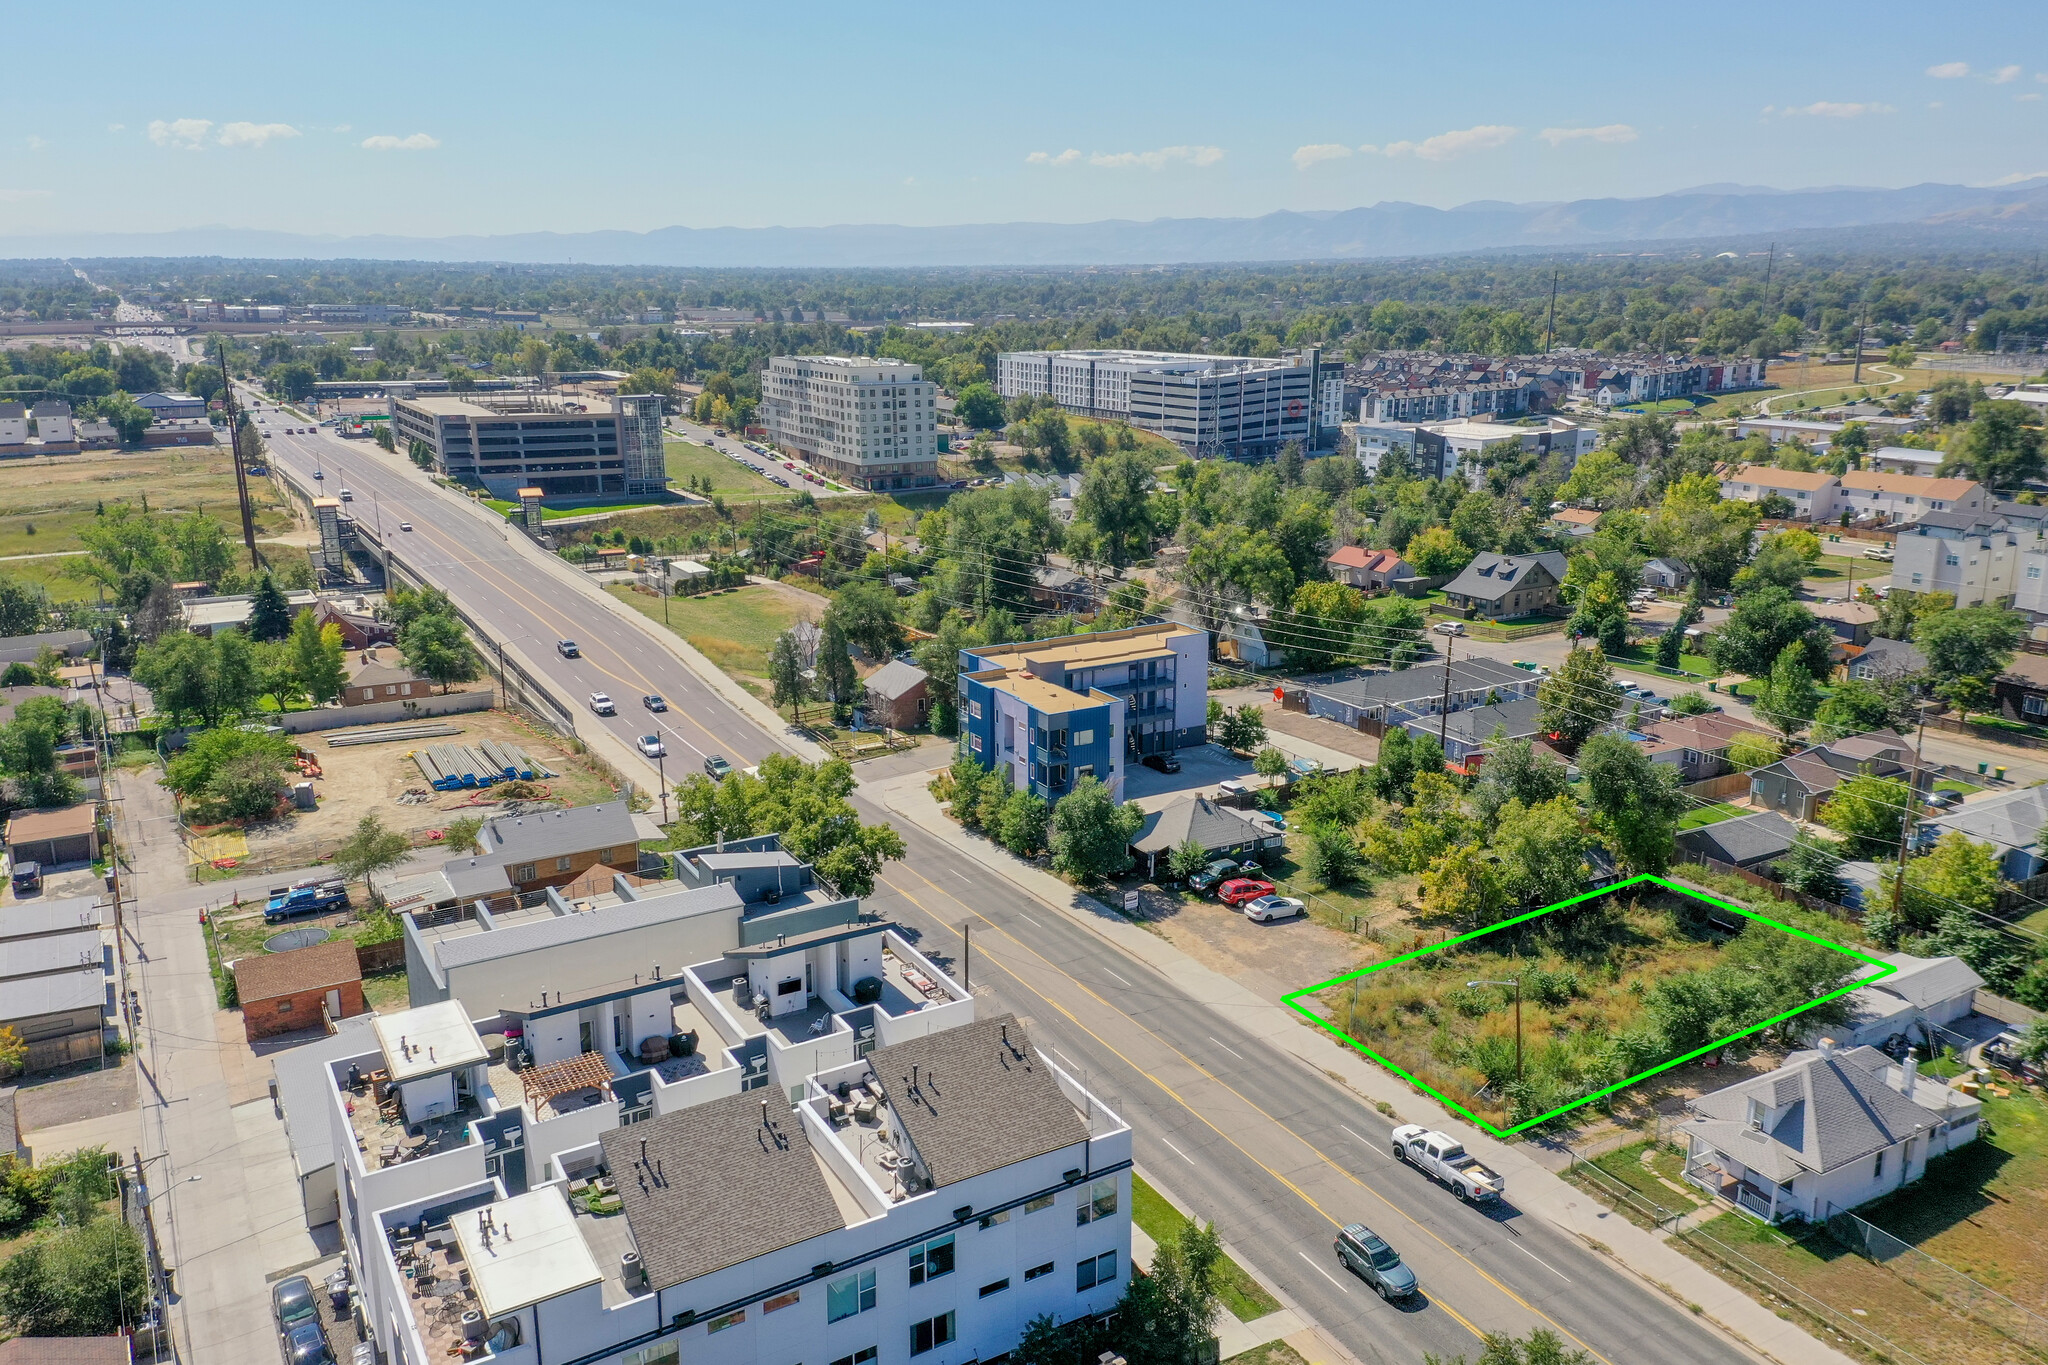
1907, 497
1814, 497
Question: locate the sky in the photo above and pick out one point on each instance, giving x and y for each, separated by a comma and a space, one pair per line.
444, 118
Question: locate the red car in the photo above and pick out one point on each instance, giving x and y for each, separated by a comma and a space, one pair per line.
1243, 889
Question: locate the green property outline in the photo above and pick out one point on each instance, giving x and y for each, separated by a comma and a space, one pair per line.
1293, 998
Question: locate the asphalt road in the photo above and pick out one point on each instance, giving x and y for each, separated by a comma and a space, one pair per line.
1275, 1153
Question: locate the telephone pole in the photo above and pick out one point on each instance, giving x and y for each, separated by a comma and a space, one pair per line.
1861, 319
227, 393
1906, 819
1550, 327
1443, 726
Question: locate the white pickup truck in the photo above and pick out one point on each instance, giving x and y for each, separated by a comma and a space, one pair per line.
1445, 1158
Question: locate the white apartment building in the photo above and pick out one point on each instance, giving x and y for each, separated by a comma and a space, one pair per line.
1906, 497
1977, 558
872, 424
565, 446
1235, 407
1816, 434
1814, 497
1442, 450
1904, 460
54, 422
13, 424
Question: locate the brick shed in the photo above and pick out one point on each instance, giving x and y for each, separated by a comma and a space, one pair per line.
284, 991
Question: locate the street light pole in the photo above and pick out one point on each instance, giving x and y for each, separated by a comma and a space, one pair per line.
661, 773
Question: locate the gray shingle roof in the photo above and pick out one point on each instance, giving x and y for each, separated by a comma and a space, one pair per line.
1830, 1111
561, 930
1891, 658
525, 838
1424, 682
894, 678
1927, 981
1742, 841
2009, 819
1490, 576
475, 876
1476, 724
1198, 818
710, 1186
976, 1098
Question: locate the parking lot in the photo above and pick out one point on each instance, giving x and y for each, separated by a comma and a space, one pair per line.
1204, 768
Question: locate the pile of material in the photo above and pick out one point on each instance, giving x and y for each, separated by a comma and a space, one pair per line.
451, 767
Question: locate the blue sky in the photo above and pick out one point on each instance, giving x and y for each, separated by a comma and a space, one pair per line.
435, 119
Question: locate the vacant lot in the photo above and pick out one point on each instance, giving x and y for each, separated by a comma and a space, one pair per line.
734, 629
44, 501
689, 461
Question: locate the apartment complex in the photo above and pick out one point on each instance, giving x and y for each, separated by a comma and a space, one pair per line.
803, 1144
1866, 495
567, 447
1235, 407
1055, 711
1985, 560
1464, 449
1412, 386
868, 423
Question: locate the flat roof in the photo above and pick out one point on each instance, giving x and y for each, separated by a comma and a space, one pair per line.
428, 1040
32, 919
1140, 642
524, 1250
1039, 694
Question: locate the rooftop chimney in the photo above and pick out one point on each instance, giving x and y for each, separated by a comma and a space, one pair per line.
1909, 1075
1827, 1047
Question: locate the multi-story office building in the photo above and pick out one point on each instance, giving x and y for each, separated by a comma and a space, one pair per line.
809, 1147
565, 446
869, 423
1055, 711
1238, 407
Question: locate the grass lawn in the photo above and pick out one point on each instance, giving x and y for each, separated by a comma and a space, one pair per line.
1710, 815
1956, 785
734, 629
729, 478
1643, 659
386, 991
64, 580
48, 499
1272, 1353
1625, 1164
1162, 1222
1339, 907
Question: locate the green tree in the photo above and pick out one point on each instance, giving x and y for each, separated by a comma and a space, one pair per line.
1393, 772
1435, 552
1515, 770
1857, 706
1091, 834
1959, 873
1021, 826
1790, 699
1542, 851
1870, 812
837, 678
384, 439
1967, 695
1269, 763
21, 609
1783, 561
1244, 729
270, 616
1600, 478
1115, 499
1756, 633
1320, 624
867, 615
1186, 859
76, 1281
371, 849
1634, 799
1463, 885
1579, 699
1332, 856
28, 753
2000, 447
1968, 642
807, 803
979, 406
1541, 1347
319, 663
437, 648
192, 772
1813, 866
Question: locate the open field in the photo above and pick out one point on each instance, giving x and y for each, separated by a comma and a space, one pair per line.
734, 629
45, 501
729, 478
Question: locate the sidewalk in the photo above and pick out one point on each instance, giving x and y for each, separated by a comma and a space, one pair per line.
1534, 1189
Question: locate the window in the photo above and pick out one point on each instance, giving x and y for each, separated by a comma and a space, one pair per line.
930, 1333
1084, 737
523, 873
661, 1353
974, 743
864, 1356
1094, 1270
1878, 1172
974, 708
781, 1301
991, 1290
933, 1259
562, 864
994, 1219
849, 1294
1043, 1202
284, 1007
1038, 1270
1100, 1202
720, 1323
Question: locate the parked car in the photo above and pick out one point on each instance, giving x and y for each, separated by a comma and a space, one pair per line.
653, 702
292, 1302
1366, 1254
602, 703
1449, 627
1213, 876
306, 1344
1267, 908
717, 767
1303, 767
567, 649
652, 746
1165, 763
312, 896
1239, 890
1233, 785
1880, 553
28, 877
1444, 1157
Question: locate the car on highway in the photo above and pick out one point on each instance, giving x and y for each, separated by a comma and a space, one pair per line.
405, 526
1267, 908
567, 649
1444, 1158
602, 703
653, 702
717, 766
1165, 763
1366, 1254
652, 746
292, 1302
1239, 890
347, 496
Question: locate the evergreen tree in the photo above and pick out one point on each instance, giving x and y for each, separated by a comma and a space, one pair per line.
836, 675
270, 616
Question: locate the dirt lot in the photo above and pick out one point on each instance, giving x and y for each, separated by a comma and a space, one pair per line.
364, 779
1271, 959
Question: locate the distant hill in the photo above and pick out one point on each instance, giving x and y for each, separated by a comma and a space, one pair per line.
1988, 216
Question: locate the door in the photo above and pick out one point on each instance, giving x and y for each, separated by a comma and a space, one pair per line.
334, 1004
584, 1036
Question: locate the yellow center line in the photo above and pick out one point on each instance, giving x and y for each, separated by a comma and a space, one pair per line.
1324, 1157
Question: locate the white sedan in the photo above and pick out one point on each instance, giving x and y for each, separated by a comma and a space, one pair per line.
652, 746
1273, 907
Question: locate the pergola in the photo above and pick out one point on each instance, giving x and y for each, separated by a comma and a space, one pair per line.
585, 1072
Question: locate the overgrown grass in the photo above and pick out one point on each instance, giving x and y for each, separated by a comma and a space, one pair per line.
734, 629
1162, 1222
729, 478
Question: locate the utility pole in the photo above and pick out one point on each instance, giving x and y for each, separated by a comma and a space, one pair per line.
966, 956
227, 393
1861, 319
1443, 727
1550, 327
1906, 819
1769, 262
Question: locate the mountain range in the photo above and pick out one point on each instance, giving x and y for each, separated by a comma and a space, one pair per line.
1993, 215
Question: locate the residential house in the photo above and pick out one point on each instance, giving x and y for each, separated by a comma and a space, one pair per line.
1747, 841
1904, 460
1577, 520
1818, 435
24, 649
898, 695
1698, 745
1814, 497
2020, 691
1914, 1005
1502, 586
1976, 556
1886, 660
1829, 1130
374, 680
1221, 831
54, 836
1850, 621
527, 853
1467, 735
55, 979
1368, 570
163, 406
1428, 689
1667, 575
14, 425
2011, 822
360, 629
1802, 783
1905, 497
1063, 590
203, 615
282, 992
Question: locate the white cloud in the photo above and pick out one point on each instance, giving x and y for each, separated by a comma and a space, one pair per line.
1444, 146
35, 144
343, 128
2005, 75
1949, 71
417, 142
254, 134
1838, 109
1606, 132
186, 134
22, 196
1155, 160
1305, 157
1066, 158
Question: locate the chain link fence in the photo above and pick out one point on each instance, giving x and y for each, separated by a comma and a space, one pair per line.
1943, 1283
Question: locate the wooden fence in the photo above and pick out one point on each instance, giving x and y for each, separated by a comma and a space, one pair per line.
380, 957
1718, 788
1991, 733
1777, 889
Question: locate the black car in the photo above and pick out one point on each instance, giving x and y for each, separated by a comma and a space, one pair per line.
653, 702
291, 1302
1165, 763
567, 649
306, 1344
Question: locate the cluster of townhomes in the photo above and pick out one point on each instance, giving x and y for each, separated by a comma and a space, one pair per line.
706, 1109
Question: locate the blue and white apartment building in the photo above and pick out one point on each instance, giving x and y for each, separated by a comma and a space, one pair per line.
1055, 711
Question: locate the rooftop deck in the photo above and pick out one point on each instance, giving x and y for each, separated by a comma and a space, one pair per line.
439, 1292
609, 1237
385, 1139
861, 1122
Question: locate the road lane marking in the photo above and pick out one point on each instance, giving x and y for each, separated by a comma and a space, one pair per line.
1540, 1261
1367, 1141
1322, 1272
1022, 915
1117, 977
961, 875
1226, 1047
1177, 1151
